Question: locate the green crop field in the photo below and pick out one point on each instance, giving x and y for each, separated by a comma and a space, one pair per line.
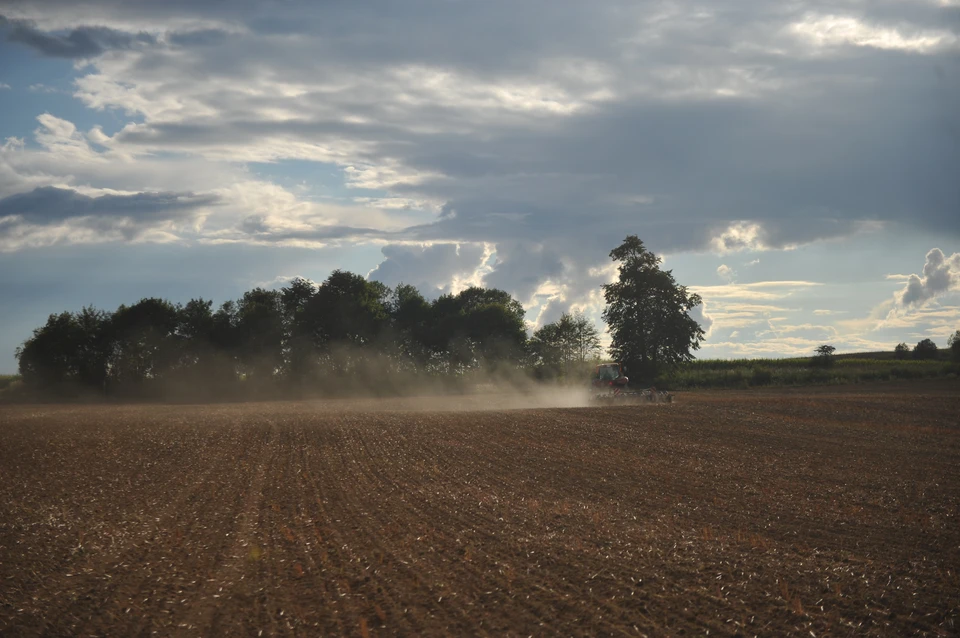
855, 368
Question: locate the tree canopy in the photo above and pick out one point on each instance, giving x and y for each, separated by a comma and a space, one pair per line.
560, 349
925, 349
954, 343
824, 355
648, 313
346, 330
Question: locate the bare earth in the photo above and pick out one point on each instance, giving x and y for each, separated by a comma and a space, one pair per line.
823, 512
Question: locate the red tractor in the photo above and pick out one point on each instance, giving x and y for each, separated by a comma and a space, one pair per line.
610, 385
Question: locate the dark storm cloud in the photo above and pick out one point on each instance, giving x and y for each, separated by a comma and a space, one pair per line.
49, 205
200, 37
791, 168
81, 42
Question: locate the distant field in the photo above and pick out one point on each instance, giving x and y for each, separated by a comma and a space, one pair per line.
830, 511
854, 368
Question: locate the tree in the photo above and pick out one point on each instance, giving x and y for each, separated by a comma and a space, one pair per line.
901, 351
410, 322
476, 327
94, 347
346, 320
572, 339
348, 310
207, 366
585, 338
50, 360
648, 313
954, 343
547, 349
295, 296
824, 355
925, 349
498, 333
260, 330
299, 347
474, 298
302, 335
145, 342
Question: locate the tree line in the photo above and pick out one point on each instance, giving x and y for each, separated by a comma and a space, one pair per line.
348, 333
342, 335
927, 349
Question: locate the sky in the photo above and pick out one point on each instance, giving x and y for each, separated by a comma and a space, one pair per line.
795, 164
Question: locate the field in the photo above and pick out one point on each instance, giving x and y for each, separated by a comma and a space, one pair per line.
866, 367
769, 512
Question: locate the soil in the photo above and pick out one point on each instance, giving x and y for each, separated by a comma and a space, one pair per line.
812, 512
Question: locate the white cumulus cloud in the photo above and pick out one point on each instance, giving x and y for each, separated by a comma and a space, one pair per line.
726, 273
941, 274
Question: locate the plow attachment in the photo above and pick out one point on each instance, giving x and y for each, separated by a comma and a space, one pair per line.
632, 397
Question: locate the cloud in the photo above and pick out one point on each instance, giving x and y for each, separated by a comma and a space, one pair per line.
546, 131
81, 42
927, 320
706, 321
739, 236
837, 30
785, 233
4, 85
732, 314
281, 281
43, 88
48, 215
726, 273
49, 204
814, 331
522, 267
941, 274
199, 37
760, 290
431, 268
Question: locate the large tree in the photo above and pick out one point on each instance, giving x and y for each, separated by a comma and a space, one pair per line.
648, 313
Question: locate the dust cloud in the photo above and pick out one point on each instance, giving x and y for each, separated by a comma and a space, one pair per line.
345, 379
481, 397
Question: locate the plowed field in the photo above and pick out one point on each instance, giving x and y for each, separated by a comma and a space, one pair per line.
813, 512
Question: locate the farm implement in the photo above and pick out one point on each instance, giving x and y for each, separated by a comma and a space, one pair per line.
610, 386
